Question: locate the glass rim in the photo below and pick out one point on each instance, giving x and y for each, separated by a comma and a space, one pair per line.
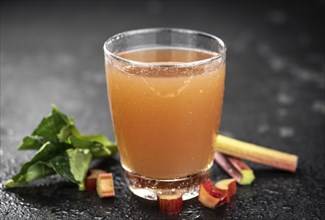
216, 55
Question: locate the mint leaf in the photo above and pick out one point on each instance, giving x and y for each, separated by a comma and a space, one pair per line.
34, 172
79, 160
51, 125
61, 166
32, 142
96, 148
45, 153
65, 132
72, 165
62, 149
100, 138
38, 170
47, 130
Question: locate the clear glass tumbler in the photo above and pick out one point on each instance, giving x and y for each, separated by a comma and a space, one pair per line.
165, 88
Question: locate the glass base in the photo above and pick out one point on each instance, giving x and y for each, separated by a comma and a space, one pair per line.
148, 188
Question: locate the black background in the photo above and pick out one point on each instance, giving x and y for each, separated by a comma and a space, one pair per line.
51, 52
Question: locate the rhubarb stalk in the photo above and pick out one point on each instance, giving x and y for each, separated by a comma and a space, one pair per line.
258, 154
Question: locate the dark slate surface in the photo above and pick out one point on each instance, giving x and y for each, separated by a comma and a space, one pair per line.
52, 53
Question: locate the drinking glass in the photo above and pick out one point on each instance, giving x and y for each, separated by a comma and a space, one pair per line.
165, 88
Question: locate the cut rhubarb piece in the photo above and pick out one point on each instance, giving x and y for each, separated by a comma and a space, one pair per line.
105, 185
92, 179
227, 186
235, 168
170, 204
223, 162
210, 196
245, 171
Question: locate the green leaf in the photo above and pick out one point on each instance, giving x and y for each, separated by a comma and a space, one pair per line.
98, 149
65, 132
46, 152
100, 138
72, 165
51, 125
80, 143
79, 160
37, 171
34, 172
98, 144
47, 130
61, 166
62, 149
32, 142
